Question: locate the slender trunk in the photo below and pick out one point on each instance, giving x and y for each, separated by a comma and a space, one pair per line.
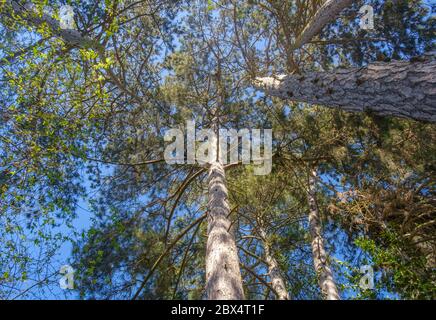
223, 276
28, 12
322, 268
400, 88
277, 281
328, 12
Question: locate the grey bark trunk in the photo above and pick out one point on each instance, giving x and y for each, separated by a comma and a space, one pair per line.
277, 281
401, 88
322, 267
326, 14
70, 36
223, 275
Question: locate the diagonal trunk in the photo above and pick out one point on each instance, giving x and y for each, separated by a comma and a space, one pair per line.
400, 88
277, 281
322, 268
328, 13
223, 276
28, 12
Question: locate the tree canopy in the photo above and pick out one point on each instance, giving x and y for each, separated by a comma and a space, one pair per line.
83, 117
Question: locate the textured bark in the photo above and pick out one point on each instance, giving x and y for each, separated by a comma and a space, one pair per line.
322, 268
223, 276
328, 12
277, 281
73, 37
401, 88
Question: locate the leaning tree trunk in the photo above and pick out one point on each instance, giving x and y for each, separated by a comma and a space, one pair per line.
401, 88
277, 282
28, 12
322, 268
328, 12
223, 276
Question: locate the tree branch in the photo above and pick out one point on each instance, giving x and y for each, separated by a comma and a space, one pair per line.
325, 15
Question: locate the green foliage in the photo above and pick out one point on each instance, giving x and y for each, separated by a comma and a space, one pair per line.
84, 122
402, 269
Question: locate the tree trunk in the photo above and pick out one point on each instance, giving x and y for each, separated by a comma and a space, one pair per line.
223, 276
322, 268
277, 282
28, 12
326, 14
401, 88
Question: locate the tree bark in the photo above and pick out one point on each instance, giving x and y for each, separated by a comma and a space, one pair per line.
322, 268
73, 37
401, 88
277, 281
326, 14
223, 276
